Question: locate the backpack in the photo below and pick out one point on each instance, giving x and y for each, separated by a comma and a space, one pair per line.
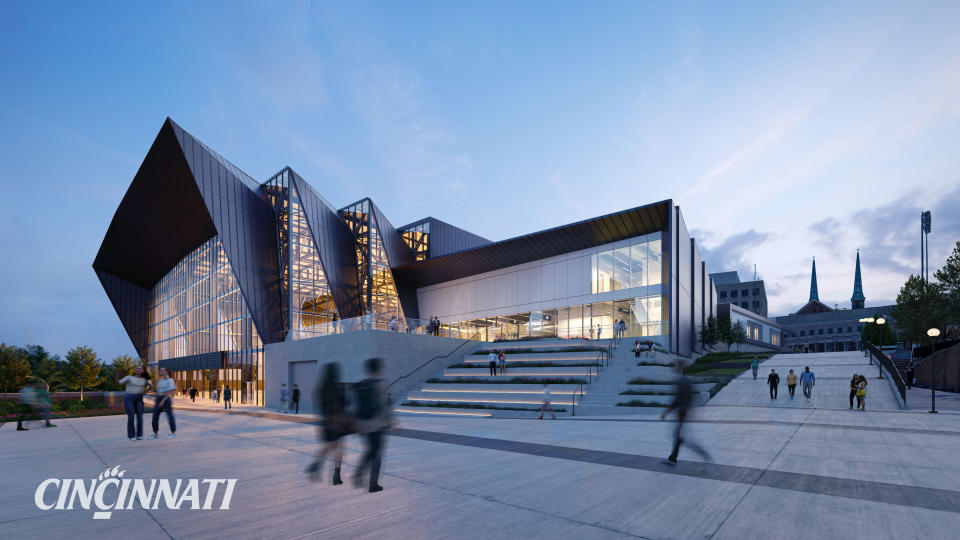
369, 405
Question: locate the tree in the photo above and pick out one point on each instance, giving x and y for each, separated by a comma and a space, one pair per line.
14, 368
83, 369
879, 334
738, 334
948, 276
725, 332
920, 306
124, 364
710, 333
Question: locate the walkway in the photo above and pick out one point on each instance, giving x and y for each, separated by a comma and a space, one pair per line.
832, 389
778, 472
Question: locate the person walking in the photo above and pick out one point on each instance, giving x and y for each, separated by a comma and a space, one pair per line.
227, 394
215, 395
193, 394
502, 357
393, 323
337, 423
652, 353
546, 407
862, 393
791, 383
774, 381
166, 389
591, 332
636, 349
682, 403
373, 418
492, 359
295, 399
910, 375
284, 397
755, 366
854, 386
134, 387
807, 380
599, 331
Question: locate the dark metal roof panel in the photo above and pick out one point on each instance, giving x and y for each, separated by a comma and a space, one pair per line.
539, 245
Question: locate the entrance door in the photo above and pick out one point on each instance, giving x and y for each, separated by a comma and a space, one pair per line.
304, 375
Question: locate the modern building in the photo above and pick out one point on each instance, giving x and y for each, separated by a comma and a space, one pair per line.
206, 266
817, 327
761, 331
749, 295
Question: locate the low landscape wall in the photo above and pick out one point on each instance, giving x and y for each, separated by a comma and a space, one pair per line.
110, 399
947, 372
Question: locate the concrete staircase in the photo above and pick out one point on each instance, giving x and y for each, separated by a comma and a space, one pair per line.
468, 389
605, 392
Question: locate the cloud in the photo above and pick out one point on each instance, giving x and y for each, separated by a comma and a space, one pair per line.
731, 253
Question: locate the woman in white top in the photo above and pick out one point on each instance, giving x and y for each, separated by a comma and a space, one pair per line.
135, 385
166, 389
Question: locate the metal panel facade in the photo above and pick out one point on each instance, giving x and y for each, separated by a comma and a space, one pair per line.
335, 244
131, 303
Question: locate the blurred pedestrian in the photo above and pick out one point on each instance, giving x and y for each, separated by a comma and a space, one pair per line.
215, 396
755, 366
636, 349
652, 353
284, 397
773, 380
295, 399
682, 403
502, 357
166, 389
134, 387
373, 418
546, 407
910, 375
492, 359
336, 424
193, 394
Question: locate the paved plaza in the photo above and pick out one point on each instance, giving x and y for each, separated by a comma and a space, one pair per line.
777, 472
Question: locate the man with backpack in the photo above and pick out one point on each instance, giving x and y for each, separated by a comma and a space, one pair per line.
373, 418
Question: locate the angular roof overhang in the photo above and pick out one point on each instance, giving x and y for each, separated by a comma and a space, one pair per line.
183, 194
540, 245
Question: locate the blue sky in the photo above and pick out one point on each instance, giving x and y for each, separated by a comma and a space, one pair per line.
783, 131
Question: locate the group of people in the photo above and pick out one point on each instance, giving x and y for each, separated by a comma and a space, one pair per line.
807, 380
367, 414
496, 360
433, 328
858, 389
290, 399
648, 349
135, 387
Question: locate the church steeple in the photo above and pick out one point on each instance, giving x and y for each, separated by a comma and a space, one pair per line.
813, 283
857, 300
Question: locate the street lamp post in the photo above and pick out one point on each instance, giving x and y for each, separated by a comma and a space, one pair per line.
933, 333
880, 322
863, 342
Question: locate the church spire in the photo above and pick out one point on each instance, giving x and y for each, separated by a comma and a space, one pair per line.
813, 283
857, 300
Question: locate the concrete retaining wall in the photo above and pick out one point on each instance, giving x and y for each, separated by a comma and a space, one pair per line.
299, 362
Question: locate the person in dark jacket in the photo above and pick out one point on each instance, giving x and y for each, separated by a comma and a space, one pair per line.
336, 422
682, 403
193, 394
295, 399
774, 381
854, 383
373, 419
227, 394
909, 378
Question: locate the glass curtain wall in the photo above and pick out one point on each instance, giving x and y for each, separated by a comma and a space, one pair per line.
638, 265
418, 238
307, 298
378, 292
198, 308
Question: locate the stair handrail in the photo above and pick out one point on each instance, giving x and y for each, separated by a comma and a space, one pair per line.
884, 362
421, 366
573, 399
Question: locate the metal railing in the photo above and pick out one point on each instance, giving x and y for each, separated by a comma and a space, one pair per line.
884, 362
573, 399
421, 366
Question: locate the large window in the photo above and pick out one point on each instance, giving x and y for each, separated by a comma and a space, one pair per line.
378, 292
637, 265
198, 308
